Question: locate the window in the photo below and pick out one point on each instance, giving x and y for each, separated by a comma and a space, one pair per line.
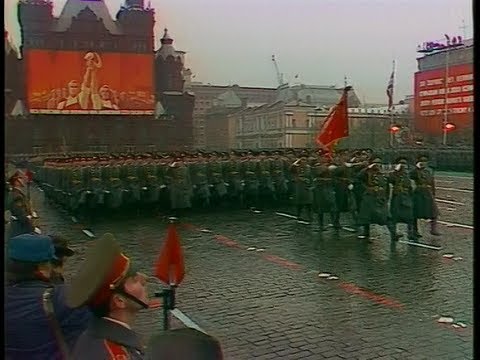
308, 123
37, 150
151, 148
130, 148
294, 123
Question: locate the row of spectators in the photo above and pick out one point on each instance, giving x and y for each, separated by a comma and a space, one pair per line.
92, 316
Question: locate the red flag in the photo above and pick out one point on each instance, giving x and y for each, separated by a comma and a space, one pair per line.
170, 267
335, 126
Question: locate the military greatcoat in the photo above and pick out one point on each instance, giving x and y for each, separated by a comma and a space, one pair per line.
324, 190
401, 203
424, 205
303, 184
374, 205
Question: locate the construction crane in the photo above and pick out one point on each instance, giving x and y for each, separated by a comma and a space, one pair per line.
279, 75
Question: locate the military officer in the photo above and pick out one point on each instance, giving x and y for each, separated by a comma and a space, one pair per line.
279, 178
303, 186
215, 178
180, 184
374, 205
233, 178
266, 189
424, 204
401, 197
115, 292
201, 188
250, 176
324, 190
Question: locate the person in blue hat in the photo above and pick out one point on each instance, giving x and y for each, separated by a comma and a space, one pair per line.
38, 322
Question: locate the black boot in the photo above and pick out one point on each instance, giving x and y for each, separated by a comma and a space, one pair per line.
299, 212
433, 228
309, 213
366, 232
412, 234
415, 229
392, 228
321, 224
336, 220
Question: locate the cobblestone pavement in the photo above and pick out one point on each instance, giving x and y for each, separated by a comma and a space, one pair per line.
253, 282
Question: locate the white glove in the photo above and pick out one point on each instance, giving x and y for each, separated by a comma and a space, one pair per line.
348, 164
398, 167
332, 167
350, 187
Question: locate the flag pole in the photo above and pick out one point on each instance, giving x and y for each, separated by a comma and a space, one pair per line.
167, 295
393, 106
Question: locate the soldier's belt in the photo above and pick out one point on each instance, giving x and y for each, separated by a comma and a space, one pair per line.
75, 182
424, 186
96, 179
278, 171
132, 178
152, 177
375, 189
233, 172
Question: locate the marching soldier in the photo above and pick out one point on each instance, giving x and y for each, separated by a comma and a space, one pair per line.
280, 182
324, 191
250, 171
374, 205
234, 178
215, 178
303, 186
266, 189
180, 185
201, 189
424, 204
401, 201
114, 188
115, 292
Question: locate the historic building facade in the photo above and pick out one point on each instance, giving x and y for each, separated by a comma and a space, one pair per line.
296, 125
87, 27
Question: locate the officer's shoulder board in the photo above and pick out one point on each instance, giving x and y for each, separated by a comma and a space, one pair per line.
116, 351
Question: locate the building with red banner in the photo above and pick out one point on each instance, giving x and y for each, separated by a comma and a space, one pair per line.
93, 83
432, 99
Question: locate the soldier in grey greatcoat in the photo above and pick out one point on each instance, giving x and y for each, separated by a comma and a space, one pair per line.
401, 197
303, 188
424, 204
180, 184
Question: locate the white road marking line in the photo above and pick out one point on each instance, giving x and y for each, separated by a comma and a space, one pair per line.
88, 233
426, 246
286, 215
453, 189
186, 320
449, 202
449, 224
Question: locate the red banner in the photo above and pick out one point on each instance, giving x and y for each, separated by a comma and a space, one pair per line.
81, 82
430, 98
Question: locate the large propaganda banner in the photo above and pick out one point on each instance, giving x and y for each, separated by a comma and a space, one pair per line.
430, 97
75, 82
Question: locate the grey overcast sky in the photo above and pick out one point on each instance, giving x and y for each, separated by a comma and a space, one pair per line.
231, 41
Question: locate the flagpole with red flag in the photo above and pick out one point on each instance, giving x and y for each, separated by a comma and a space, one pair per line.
170, 270
335, 127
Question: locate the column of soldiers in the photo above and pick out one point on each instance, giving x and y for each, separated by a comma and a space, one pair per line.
349, 183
